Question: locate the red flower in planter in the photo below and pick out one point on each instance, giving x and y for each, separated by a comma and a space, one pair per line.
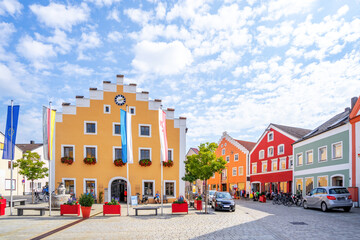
119, 163
169, 163
90, 161
67, 160
145, 162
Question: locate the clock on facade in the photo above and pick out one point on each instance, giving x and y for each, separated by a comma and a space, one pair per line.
120, 100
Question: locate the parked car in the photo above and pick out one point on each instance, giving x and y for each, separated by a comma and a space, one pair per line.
328, 198
223, 201
211, 195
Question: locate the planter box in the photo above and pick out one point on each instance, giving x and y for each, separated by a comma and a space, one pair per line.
2, 206
262, 199
70, 209
179, 207
111, 209
198, 204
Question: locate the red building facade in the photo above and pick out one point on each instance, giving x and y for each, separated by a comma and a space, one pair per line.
271, 160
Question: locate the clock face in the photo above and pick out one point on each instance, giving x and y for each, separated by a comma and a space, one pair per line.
120, 100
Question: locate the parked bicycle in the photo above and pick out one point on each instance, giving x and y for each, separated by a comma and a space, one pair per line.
144, 200
41, 196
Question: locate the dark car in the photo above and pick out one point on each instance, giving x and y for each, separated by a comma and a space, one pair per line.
223, 201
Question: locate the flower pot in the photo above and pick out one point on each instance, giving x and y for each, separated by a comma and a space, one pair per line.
2, 206
262, 199
198, 204
85, 211
179, 207
111, 209
70, 209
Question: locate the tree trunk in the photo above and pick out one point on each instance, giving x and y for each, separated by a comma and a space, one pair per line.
32, 191
206, 205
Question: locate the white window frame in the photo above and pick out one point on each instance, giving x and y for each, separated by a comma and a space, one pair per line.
223, 151
317, 180
296, 186
115, 147
73, 179
143, 191
113, 129
281, 145
252, 168
228, 159
283, 160
85, 122
145, 125
297, 162
67, 145
332, 151
242, 171
271, 133
170, 181
263, 154
235, 157
268, 152
132, 107
172, 153
234, 168
319, 154
291, 159
262, 166
306, 157
337, 175
90, 179
143, 148
96, 151
277, 167
105, 109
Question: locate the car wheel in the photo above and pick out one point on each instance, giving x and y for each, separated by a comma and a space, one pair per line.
347, 209
323, 207
305, 205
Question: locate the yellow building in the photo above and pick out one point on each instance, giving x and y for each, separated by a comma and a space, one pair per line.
91, 128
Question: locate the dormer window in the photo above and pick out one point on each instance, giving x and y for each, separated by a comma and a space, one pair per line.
270, 136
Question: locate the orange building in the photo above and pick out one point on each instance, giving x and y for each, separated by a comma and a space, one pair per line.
91, 129
236, 153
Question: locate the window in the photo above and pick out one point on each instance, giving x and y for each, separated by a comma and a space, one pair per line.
309, 182
116, 129
145, 130
282, 165
90, 127
322, 181
225, 144
281, 149
117, 153
254, 168
170, 154
170, 188
90, 152
323, 154
337, 181
68, 151
1, 146
261, 154
90, 186
7, 184
148, 188
270, 136
228, 158
236, 157
223, 151
69, 186
107, 109
299, 159
309, 157
234, 171
39, 185
241, 171
291, 162
132, 110
270, 151
299, 186
274, 166
9, 164
264, 166
145, 154
337, 150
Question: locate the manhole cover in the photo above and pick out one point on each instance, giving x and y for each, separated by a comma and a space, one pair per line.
298, 223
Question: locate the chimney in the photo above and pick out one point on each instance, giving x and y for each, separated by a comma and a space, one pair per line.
32, 142
347, 109
353, 102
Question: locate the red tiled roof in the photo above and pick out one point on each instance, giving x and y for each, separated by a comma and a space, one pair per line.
248, 145
195, 150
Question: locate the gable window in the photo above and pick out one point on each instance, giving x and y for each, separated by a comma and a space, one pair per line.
270, 136
323, 154
261, 154
170, 154
241, 171
117, 153
274, 166
132, 110
145, 130
281, 149
337, 150
223, 151
228, 158
264, 166
107, 109
116, 129
90, 127
234, 171
236, 157
254, 168
145, 154
299, 159
270, 151
309, 157
282, 163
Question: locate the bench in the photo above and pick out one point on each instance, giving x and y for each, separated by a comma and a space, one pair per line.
145, 208
20, 210
21, 201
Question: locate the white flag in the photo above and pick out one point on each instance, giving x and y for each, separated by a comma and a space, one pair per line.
163, 136
130, 158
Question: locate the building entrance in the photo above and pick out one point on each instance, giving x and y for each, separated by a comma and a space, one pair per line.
118, 190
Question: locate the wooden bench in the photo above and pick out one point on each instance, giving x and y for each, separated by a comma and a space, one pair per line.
20, 210
145, 208
21, 201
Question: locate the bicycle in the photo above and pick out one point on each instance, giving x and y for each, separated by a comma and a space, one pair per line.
144, 199
41, 197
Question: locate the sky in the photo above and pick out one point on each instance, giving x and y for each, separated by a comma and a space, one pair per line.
233, 66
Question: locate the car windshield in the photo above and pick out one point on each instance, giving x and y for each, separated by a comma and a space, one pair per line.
223, 195
338, 191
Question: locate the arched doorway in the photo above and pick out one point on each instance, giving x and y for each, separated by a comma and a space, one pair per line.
117, 187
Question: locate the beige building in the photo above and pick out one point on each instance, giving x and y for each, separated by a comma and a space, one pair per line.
197, 186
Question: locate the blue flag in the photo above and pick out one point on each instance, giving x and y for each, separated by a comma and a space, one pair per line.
10, 132
123, 135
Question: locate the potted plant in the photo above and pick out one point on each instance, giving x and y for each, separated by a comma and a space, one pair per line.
262, 197
112, 207
180, 205
70, 207
86, 200
119, 163
198, 203
90, 160
2, 205
169, 163
67, 160
145, 162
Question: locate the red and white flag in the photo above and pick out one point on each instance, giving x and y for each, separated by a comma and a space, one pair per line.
163, 136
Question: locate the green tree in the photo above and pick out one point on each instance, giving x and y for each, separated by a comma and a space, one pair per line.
203, 165
32, 168
189, 177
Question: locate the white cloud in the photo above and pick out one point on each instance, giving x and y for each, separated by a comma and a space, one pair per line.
75, 70
161, 58
109, 56
61, 16
114, 36
6, 30
275, 37
114, 15
88, 41
139, 16
9, 84
101, 3
277, 9
161, 10
62, 44
11, 7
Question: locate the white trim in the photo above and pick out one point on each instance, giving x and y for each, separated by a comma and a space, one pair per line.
278, 152
85, 122
170, 181
337, 167
337, 175
296, 159
172, 153
89, 179
143, 148
282, 159
96, 151
272, 165
268, 154
237, 157
67, 145
327, 180
263, 154
332, 151
306, 157
118, 178
233, 142
105, 105
74, 179
255, 182
113, 129
145, 125
302, 183
153, 181
132, 107
113, 151
270, 133
289, 160
234, 168
285, 170
265, 162
242, 169
325, 146
252, 168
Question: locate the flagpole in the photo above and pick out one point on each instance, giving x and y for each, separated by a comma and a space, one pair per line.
49, 188
162, 176
11, 160
127, 172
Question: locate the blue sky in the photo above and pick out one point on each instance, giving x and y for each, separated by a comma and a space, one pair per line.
232, 66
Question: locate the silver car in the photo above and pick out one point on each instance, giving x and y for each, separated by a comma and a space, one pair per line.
327, 198
211, 195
